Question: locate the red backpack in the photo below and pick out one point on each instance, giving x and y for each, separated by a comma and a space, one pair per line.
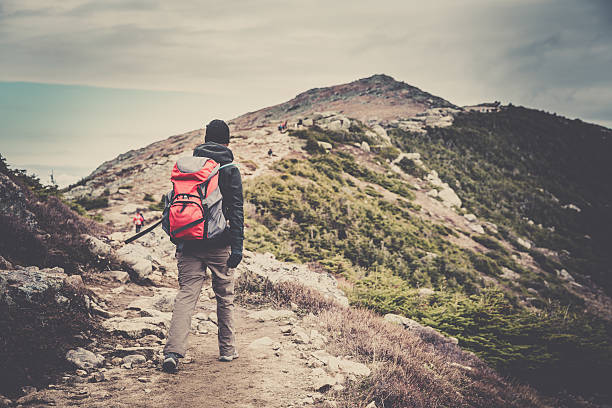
194, 208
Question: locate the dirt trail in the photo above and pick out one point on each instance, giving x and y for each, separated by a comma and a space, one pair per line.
271, 375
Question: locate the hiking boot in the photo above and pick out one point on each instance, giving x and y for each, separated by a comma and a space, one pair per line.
170, 362
227, 359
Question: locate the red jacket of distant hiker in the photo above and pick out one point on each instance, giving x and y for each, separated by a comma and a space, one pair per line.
138, 219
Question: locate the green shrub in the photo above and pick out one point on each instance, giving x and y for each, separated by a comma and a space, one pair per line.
410, 167
92, 203
159, 206
389, 152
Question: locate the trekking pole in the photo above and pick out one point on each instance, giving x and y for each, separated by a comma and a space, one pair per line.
141, 233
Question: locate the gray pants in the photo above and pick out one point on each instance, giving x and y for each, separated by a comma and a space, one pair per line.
191, 275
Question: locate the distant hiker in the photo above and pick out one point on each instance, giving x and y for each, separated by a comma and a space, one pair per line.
196, 251
270, 152
138, 220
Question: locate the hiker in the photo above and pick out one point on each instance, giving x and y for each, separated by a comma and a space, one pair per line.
220, 254
270, 152
138, 220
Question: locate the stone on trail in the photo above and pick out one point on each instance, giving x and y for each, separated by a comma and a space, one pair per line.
300, 335
163, 301
132, 328
321, 380
84, 359
263, 347
97, 246
271, 314
134, 359
349, 367
119, 276
74, 283
137, 259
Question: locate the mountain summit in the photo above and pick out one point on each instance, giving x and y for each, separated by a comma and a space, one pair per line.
376, 98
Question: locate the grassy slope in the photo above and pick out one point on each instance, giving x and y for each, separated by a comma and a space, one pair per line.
314, 211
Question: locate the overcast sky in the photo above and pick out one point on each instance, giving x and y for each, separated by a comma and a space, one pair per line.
149, 69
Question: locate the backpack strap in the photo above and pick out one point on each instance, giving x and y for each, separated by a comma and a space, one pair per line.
229, 164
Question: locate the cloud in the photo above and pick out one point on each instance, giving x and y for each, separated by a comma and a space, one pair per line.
538, 53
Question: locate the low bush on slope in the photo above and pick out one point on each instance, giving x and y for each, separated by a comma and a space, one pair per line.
313, 211
39, 316
38, 228
407, 370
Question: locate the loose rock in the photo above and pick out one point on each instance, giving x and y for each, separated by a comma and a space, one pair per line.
84, 359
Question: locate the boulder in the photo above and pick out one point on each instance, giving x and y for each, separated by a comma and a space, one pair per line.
74, 283
523, 243
84, 359
449, 197
381, 133
365, 146
325, 145
565, 275
470, 217
477, 228
97, 246
136, 259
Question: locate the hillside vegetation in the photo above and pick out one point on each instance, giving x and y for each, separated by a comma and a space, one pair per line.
356, 218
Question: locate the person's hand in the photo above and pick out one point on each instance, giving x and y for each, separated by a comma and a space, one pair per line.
234, 259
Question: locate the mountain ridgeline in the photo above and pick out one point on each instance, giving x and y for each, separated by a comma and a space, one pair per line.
493, 228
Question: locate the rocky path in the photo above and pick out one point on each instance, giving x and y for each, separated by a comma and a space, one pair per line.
269, 373
283, 362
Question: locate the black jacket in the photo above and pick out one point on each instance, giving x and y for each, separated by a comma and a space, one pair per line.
230, 184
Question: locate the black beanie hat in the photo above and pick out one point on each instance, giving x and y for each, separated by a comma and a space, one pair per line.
217, 131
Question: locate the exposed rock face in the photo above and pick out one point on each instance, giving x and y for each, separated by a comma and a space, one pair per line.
41, 310
266, 266
31, 283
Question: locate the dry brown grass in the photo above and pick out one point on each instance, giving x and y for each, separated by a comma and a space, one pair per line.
408, 370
